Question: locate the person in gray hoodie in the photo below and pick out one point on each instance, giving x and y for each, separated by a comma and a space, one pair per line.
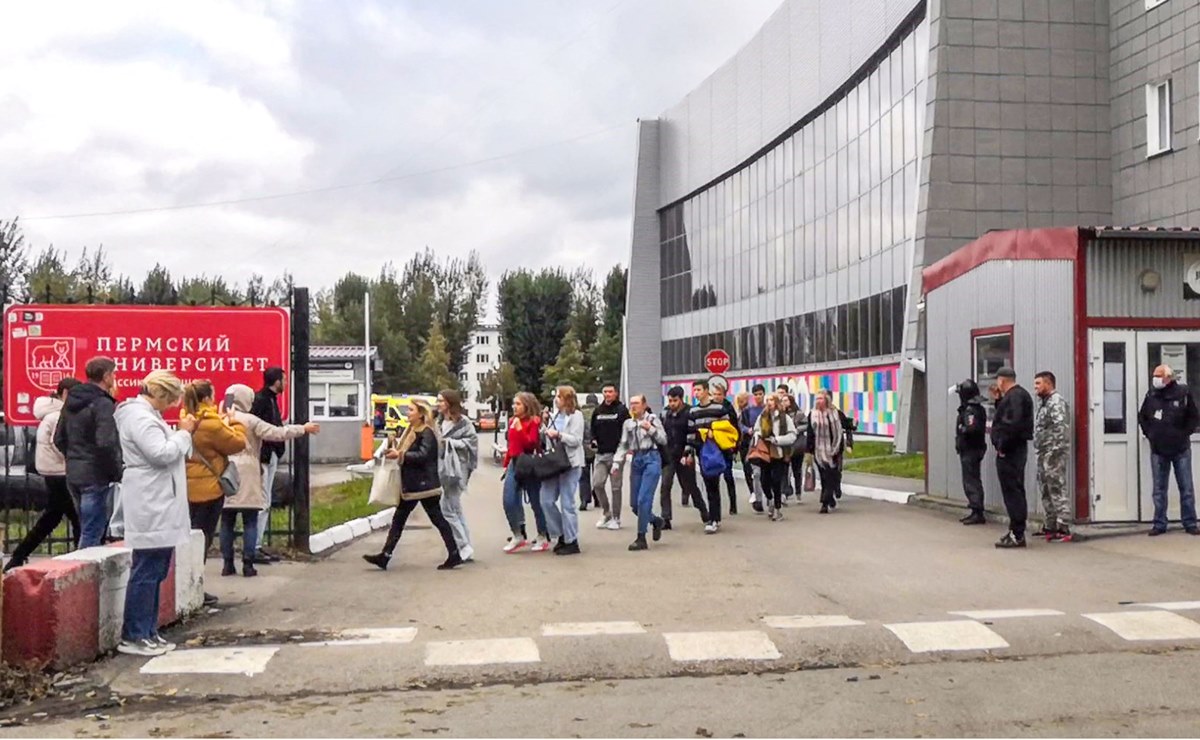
558, 494
52, 467
644, 436
458, 459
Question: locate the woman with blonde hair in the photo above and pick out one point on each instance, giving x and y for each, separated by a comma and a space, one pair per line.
151, 511
524, 437
212, 443
558, 500
251, 499
827, 440
418, 453
777, 430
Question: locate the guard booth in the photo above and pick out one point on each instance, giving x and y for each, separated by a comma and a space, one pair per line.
1100, 308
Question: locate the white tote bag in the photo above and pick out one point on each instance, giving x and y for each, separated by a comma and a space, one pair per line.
385, 485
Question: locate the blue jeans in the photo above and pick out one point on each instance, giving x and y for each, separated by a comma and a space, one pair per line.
249, 532
514, 510
1160, 468
93, 502
643, 481
558, 506
149, 570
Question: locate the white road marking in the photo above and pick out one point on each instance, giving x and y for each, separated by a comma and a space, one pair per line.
482, 652
584, 629
932, 637
807, 621
368, 636
698, 646
1009, 613
247, 661
1173, 605
1159, 625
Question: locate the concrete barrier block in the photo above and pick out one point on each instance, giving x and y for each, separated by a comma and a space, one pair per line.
360, 527
383, 519
113, 570
189, 575
319, 542
51, 613
341, 534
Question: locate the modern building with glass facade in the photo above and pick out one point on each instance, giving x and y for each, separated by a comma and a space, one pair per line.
785, 208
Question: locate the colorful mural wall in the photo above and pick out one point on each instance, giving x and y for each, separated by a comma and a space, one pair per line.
868, 394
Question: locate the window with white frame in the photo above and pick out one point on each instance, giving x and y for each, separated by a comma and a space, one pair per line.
1158, 118
483, 339
339, 400
1152, 4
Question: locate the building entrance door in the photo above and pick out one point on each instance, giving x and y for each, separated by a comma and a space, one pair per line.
1122, 363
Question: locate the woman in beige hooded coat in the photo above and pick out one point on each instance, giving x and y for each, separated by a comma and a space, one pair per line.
251, 498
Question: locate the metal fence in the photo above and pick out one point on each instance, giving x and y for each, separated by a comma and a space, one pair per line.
23, 493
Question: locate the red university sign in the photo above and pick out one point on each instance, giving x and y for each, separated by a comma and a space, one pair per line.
44, 344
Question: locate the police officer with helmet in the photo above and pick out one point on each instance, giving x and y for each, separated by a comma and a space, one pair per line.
970, 442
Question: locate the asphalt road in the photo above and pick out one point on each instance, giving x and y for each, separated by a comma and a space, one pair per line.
878, 619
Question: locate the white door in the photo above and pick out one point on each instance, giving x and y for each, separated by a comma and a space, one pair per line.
1180, 350
1113, 426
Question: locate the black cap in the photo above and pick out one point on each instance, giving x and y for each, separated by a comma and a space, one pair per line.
968, 388
1006, 372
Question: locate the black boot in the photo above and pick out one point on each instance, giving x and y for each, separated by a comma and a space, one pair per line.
975, 518
228, 569
639, 544
379, 560
559, 545
248, 570
666, 525
657, 524
452, 562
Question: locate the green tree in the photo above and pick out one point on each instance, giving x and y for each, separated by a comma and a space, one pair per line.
158, 289
606, 359
568, 368
460, 287
92, 276
434, 367
615, 286
14, 261
206, 291
48, 278
585, 311
280, 292
256, 290
534, 317
499, 386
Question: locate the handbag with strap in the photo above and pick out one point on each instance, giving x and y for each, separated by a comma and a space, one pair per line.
385, 484
553, 462
759, 452
230, 481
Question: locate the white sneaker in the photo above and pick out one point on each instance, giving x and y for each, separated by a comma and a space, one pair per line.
614, 524
540, 545
603, 523
467, 553
515, 544
163, 643
144, 648
710, 528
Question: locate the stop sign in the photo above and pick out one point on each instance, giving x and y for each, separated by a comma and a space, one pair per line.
717, 361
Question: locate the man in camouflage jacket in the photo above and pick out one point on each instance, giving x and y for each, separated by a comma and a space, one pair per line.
1052, 438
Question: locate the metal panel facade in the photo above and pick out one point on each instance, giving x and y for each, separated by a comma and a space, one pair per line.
1035, 297
1114, 275
641, 370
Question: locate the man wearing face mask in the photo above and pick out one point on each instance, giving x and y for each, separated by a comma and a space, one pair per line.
970, 442
1012, 429
1168, 418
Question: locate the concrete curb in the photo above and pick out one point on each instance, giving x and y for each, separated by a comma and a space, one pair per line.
877, 494
349, 531
70, 609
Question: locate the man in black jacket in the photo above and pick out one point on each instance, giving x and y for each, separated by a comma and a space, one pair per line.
607, 421
1012, 429
266, 407
676, 419
1168, 418
87, 436
970, 442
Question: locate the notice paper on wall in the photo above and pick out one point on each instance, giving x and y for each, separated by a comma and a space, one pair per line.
1174, 356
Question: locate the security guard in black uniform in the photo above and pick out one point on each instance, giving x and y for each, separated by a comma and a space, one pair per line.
1012, 430
970, 442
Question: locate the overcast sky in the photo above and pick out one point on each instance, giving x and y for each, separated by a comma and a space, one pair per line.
140, 105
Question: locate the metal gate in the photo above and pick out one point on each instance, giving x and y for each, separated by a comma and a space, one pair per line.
23, 493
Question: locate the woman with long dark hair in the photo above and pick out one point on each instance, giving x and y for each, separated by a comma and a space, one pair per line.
776, 429
418, 453
827, 441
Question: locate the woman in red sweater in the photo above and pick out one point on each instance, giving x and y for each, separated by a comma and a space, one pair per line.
524, 435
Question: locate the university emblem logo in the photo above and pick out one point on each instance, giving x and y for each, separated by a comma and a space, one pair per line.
48, 360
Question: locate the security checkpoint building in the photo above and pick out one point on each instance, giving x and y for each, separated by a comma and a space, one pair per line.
1100, 308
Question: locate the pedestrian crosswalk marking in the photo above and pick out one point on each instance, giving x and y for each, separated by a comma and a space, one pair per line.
1174, 605
701, 646
808, 621
933, 637
1150, 625
584, 629
482, 652
369, 636
1009, 613
248, 661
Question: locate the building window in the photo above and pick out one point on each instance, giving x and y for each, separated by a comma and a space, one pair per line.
335, 400
462, 377
992, 349
1158, 118
1114, 388
480, 376
483, 339
1152, 4
482, 359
